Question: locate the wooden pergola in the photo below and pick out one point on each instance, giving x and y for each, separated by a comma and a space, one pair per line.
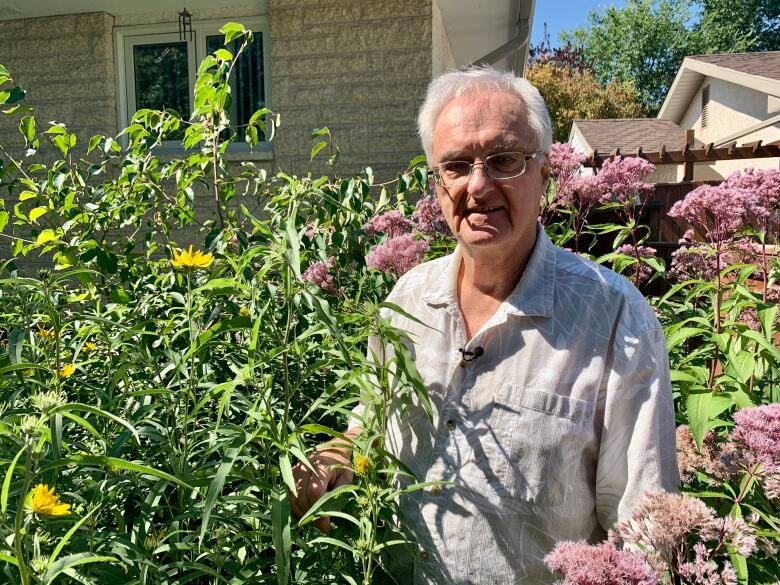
689, 154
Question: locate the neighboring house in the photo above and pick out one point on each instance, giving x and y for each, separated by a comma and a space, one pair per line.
359, 67
720, 106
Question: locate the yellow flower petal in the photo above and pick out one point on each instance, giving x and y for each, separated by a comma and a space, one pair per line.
43, 501
67, 370
196, 259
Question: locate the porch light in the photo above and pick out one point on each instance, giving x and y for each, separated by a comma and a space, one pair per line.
185, 24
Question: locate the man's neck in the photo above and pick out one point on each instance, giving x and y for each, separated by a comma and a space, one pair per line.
484, 282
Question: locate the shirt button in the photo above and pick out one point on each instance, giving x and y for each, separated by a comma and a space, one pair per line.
435, 489
424, 555
451, 425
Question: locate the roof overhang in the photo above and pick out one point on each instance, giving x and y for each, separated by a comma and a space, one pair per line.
692, 74
495, 32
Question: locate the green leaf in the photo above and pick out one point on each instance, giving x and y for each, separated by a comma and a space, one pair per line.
287, 475
37, 212
7, 481
702, 409
27, 128
231, 30
116, 463
15, 343
293, 247
217, 483
45, 236
317, 148
280, 523
223, 55
74, 560
3, 220
9, 559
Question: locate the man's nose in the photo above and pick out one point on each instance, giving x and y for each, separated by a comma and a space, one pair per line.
479, 180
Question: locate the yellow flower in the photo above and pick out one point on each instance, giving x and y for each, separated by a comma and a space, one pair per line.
189, 259
45, 333
90, 346
362, 464
42, 500
244, 312
67, 370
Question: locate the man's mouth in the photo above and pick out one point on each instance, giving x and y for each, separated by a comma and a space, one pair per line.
483, 210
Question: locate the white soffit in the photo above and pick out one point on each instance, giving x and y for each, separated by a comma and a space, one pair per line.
690, 77
11, 9
475, 29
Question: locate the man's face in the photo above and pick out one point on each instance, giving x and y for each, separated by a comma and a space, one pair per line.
483, 213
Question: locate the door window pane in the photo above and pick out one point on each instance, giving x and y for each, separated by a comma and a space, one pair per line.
161, 77
247, 88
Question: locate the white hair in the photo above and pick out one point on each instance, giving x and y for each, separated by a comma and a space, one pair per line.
454, 84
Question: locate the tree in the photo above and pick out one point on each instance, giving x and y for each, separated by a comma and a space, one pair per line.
647, 40
571, 90
736, 26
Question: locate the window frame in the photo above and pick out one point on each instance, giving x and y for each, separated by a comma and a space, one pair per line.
127, 37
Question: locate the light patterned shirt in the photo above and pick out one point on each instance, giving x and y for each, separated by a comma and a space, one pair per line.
553, 433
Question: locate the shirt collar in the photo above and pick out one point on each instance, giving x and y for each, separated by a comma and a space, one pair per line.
534, 294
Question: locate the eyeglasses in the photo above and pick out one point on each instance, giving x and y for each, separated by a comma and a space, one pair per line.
501, 166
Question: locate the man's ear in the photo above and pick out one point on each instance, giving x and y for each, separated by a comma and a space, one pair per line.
546, 170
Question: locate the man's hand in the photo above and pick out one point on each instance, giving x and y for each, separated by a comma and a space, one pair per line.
332, 463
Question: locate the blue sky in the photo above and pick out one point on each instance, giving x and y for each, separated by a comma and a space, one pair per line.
563, 15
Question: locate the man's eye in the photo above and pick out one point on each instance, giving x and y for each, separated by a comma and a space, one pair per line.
504, 162
456, 168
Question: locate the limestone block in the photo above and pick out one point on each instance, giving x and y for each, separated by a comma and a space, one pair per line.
408, 64
396, 9
306, 45
386, 34
348, 11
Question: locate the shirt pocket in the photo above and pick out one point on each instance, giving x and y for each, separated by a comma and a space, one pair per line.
541, 441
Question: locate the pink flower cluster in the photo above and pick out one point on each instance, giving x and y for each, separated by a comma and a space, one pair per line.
757, 434
717, 211
397, 255
690, 459
664, 524
689, 263
429, 218
622, 178
641, 272
760, 190
601, 564
565, 165
319, 273
704, 571
393, 223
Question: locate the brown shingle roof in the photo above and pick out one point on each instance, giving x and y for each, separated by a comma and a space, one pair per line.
764, 64
629, 134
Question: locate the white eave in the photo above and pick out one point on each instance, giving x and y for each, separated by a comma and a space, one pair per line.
494, 32
692, 74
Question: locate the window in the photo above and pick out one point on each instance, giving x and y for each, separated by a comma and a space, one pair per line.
705, 103
156, 69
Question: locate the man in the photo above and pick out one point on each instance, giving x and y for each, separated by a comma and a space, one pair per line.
548, 374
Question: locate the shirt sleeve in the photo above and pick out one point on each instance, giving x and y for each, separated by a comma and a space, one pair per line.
637, 453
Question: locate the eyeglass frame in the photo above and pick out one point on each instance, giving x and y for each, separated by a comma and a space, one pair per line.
436, 174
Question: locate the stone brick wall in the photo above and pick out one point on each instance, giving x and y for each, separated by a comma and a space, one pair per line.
66, 64
359, 67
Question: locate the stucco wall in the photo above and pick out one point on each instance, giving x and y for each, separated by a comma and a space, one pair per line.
732, 108
66, 64
359, 67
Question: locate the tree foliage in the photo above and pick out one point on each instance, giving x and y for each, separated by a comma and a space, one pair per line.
572, 92
646, 41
